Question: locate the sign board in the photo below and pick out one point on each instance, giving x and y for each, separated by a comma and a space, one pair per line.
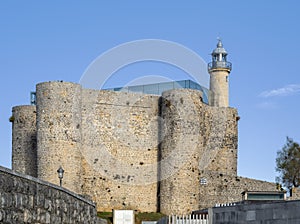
123, 216
149, 222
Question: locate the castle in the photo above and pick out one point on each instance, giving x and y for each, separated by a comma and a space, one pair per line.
171, 153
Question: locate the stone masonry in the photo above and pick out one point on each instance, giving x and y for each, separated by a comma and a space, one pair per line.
170, 153
24, 140
24, 199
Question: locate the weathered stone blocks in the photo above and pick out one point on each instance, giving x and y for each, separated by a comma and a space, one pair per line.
24, 155
59, 132
129, 150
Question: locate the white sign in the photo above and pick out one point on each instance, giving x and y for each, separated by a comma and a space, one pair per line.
123, 217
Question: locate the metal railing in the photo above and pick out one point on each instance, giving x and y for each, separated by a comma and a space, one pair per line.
219, 64
185, 219
33, 98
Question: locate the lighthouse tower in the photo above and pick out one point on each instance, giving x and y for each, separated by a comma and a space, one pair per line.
219, 70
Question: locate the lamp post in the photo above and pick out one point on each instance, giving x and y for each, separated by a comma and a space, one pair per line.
60, 173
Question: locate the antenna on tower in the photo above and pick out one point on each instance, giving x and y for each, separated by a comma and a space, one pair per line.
219, 36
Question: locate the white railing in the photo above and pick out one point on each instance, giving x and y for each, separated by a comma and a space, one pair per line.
225, 205
185, 219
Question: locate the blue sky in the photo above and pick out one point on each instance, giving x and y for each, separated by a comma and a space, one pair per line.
57, 40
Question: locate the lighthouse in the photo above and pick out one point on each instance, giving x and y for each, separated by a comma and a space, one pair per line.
219, 70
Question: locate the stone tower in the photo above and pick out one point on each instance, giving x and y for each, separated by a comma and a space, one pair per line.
59, 132
181, 149
24, 155
219, 70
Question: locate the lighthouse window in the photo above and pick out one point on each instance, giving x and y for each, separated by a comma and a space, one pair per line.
227, 78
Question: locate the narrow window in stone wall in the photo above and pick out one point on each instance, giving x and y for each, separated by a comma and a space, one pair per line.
227, 78
203, 181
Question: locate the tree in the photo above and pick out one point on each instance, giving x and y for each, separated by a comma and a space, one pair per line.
288, 164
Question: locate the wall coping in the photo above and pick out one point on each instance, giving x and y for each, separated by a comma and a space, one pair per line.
45, 183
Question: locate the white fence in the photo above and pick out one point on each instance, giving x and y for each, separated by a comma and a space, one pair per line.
185, 219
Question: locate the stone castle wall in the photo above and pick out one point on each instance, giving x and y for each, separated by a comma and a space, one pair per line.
24, 158
294, 194
25, 199
135, 151
59, 133
180, 151
198, 138
222, 189
120, 149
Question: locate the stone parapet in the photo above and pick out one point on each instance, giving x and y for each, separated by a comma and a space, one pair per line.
25, 199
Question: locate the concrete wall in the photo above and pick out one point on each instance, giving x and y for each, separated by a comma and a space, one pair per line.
275, 213
24, 199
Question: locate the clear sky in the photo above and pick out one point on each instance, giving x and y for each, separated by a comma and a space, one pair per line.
57, 40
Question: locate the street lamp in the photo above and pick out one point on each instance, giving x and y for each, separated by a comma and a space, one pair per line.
60, 173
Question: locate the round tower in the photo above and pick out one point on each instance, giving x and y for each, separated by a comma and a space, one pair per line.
24, 140
219, 70
181, 148
59, 133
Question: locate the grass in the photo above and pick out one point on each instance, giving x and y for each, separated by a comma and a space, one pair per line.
139, 217
106, 215
151, 216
